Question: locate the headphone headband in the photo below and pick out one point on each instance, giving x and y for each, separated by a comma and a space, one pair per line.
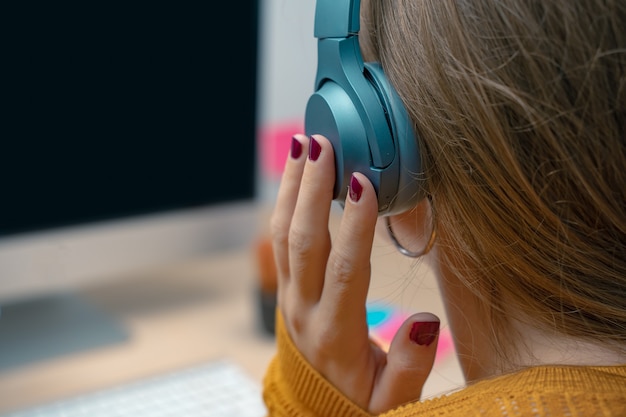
337, 18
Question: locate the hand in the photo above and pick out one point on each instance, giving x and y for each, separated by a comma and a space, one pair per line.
323, 285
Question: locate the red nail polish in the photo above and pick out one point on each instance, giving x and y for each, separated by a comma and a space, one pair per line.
296, 148
314, 149
355, 189
424, 333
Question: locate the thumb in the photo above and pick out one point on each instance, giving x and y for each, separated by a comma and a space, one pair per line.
409, 362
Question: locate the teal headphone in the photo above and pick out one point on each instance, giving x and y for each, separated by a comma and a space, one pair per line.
357, 109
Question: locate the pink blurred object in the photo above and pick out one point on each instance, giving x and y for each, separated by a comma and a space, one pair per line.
274, 140
384, 329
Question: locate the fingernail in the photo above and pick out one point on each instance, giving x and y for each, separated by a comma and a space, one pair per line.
355, 189
314, 149
296, 148
424, 333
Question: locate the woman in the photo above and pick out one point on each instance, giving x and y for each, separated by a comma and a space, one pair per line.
521, 112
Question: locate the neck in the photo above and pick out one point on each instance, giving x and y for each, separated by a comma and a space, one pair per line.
537, 346
527, 344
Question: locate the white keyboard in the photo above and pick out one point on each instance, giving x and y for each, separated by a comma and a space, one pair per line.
218, 389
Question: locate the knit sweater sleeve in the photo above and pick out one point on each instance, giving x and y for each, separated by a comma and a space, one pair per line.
292, 387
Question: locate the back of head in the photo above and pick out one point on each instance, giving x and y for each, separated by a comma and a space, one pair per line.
521, 110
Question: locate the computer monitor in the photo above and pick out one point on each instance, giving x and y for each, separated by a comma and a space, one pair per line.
127, 138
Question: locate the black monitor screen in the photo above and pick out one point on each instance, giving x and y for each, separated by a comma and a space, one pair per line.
114, 111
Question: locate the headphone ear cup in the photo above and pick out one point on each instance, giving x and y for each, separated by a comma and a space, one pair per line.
334, 112
404, 177
331, 112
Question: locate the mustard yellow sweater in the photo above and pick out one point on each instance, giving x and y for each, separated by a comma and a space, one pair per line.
293, 388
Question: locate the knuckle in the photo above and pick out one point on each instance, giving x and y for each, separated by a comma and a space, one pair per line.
300, 242
410, 368
342, 267
278, 231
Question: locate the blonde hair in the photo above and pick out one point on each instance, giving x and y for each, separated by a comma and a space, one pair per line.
521, 111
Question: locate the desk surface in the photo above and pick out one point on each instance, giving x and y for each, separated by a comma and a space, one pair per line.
194, 313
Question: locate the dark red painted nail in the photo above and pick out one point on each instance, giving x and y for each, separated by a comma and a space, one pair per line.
314, 149
355, 189
424, 333
296, 148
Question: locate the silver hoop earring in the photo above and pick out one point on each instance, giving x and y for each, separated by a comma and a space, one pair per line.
405, 251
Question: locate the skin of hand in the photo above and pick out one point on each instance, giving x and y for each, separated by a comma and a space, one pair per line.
323, 285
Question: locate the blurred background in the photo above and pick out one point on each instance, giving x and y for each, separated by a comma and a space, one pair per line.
117, 117
141, 153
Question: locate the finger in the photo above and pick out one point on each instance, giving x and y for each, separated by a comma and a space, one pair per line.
309, 238
348, 271
285, 204
409, 362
